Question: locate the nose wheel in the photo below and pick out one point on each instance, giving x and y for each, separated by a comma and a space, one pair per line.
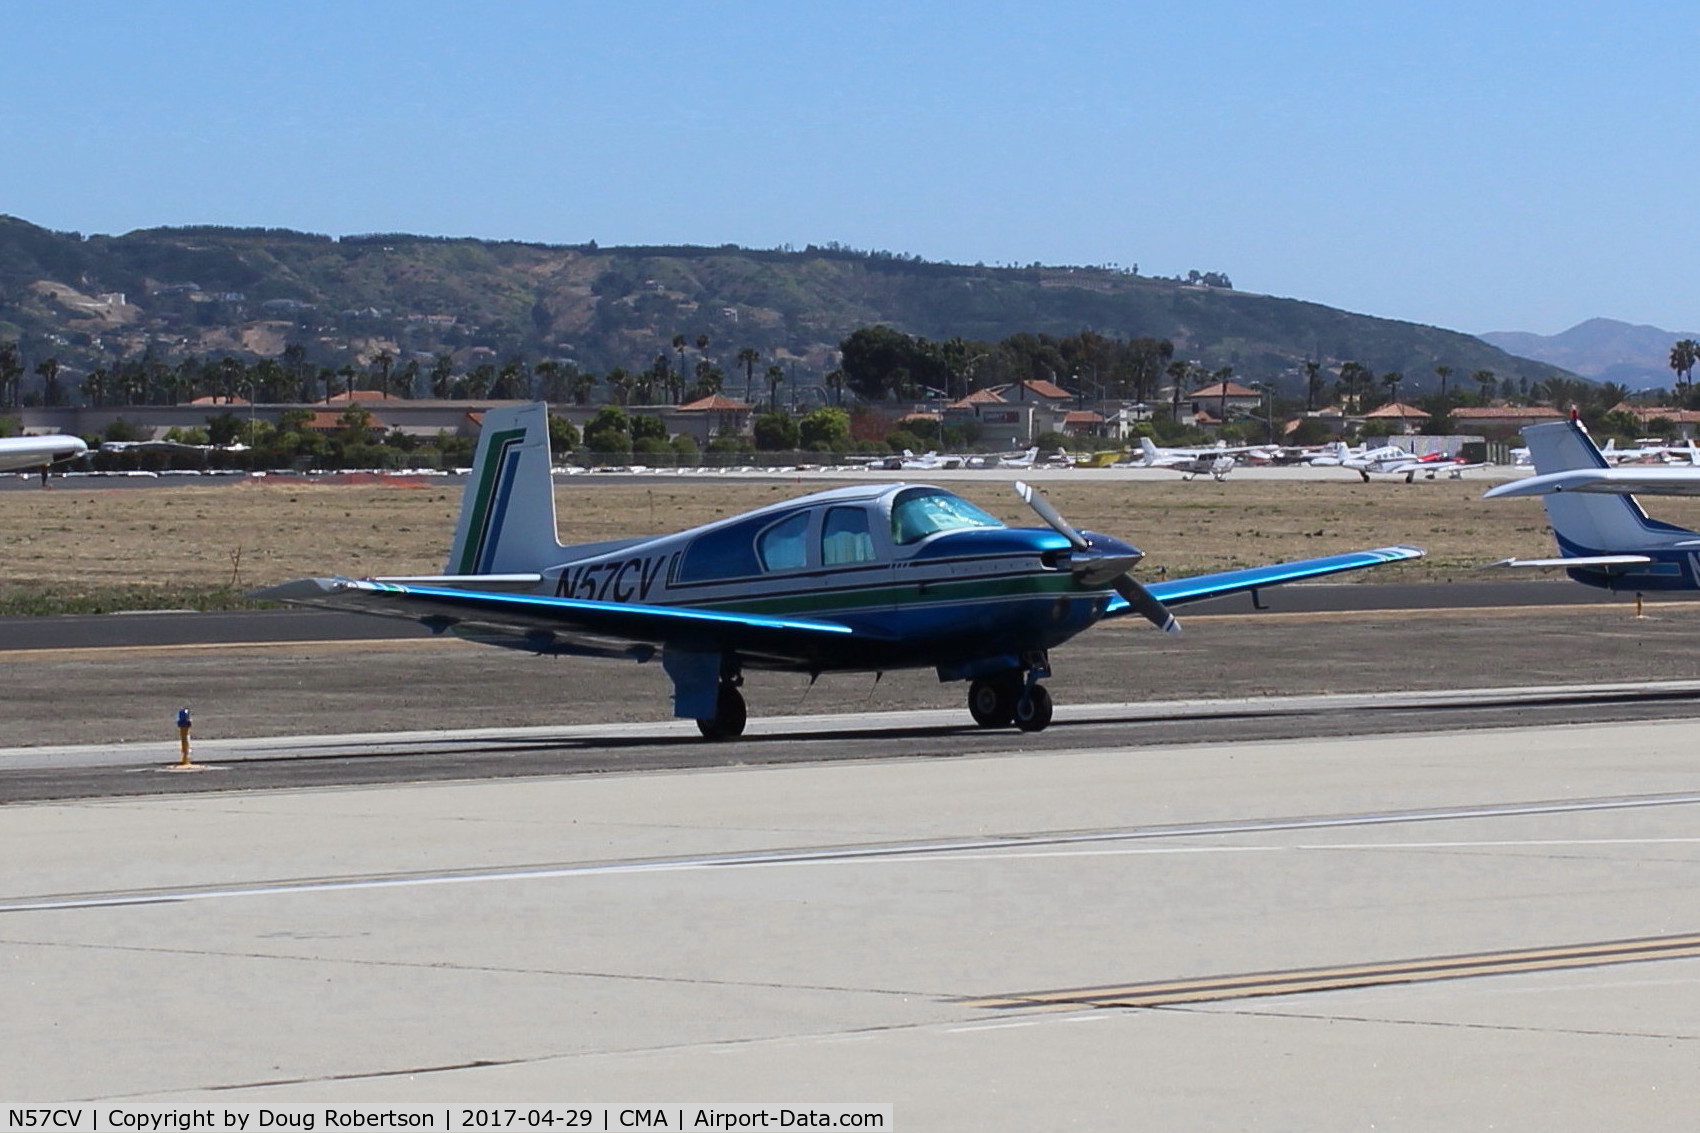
1012, 698
1033, 711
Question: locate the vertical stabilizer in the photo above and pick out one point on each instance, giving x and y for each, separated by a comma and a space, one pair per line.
507, 514
1590, 523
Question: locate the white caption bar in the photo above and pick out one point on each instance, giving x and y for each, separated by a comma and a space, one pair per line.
554, 1117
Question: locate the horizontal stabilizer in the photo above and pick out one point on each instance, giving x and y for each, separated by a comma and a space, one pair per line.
466, 581
1578, 561
1605, 481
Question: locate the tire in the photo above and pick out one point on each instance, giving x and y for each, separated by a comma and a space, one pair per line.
730, 716
1033, 711
992, 702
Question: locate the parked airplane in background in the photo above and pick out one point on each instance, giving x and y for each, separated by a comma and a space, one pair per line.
1650, 452
1391, 460
1604, 537
859, 579
1190, 462
908, 462
1025, 459
38, 452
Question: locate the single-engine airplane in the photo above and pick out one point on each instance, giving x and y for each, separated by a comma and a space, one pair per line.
870, 578
1604, 537
38, 452
1190, 462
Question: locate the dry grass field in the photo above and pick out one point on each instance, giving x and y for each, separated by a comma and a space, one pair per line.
92, 548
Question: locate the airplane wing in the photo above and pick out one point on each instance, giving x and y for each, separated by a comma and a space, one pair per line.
33, 452
540, 622
1617, 480
1196, 589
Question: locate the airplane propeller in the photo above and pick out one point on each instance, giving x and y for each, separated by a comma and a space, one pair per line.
1097, 569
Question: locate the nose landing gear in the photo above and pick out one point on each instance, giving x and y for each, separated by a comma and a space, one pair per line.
1013, 697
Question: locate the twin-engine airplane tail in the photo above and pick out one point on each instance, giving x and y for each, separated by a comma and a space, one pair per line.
1604, 537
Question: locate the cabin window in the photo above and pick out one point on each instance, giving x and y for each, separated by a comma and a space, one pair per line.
728, 552
920, 512
844, 537
784, 546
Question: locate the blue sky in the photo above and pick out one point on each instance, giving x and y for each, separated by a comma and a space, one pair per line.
1481, 166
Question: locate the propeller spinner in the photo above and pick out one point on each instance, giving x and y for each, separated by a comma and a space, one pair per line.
1097, 569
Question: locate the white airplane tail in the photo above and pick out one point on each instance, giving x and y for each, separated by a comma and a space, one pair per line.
1591, 523
1150, 450
507, 513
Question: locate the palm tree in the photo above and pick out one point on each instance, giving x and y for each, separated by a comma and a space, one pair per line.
11, 369
94, 386
620, 382
679, 348
1353, 375
48, 369
1391, 380
1313, 384
1443, 372
1180, 372
747, 358
295, 361
1683, 355
383, 360
1487, 382
442, 376
775, 375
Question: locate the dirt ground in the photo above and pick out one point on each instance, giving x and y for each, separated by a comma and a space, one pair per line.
135, 546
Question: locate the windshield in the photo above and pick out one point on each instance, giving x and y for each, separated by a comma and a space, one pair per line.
920, 512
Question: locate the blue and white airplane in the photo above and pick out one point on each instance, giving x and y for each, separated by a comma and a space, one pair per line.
868, 579
1604, 537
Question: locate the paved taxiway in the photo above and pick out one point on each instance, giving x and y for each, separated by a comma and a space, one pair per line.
891, 931
894, 928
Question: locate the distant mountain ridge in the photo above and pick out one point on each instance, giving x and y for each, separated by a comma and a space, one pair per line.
256, 293
1606, 350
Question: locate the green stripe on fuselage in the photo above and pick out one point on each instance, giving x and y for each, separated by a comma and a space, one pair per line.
931, 592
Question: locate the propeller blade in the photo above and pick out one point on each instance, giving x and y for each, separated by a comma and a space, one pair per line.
1093, 567
1145, 604
1050, 515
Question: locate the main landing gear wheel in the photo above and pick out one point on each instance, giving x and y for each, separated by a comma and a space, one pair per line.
729, 717
991, 701
1033, 711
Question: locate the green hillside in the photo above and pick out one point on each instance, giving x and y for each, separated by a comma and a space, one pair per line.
254, 292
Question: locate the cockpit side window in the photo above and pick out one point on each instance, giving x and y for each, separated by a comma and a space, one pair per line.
920, 512
784, 546
845, 538
724, 553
